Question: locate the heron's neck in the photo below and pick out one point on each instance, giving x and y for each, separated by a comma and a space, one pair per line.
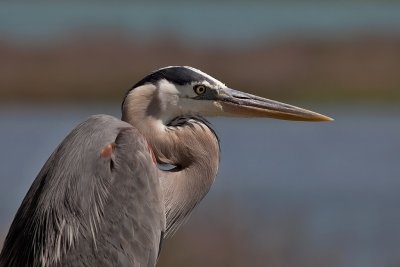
194, 149
187, 143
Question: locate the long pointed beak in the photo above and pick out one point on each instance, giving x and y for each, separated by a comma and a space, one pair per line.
236, 103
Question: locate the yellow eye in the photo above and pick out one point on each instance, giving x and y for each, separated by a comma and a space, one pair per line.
199, 89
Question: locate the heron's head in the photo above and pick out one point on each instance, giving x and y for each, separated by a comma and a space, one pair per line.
179, 90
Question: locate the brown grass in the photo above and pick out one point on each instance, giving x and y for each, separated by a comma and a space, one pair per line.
104, 67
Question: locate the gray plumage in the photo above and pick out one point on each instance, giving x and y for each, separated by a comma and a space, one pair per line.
101, 200
87, 210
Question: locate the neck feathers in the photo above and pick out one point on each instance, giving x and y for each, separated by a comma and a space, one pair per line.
195, 151
188, 142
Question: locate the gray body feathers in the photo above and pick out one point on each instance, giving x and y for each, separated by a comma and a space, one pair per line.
87, 210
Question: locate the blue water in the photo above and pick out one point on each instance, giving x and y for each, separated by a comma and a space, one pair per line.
337, 182
194, 22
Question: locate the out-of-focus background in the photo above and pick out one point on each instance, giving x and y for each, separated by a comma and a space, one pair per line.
288, 193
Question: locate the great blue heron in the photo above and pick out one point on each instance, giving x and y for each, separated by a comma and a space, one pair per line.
102, 200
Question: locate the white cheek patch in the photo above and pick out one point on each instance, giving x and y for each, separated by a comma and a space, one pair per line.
168, 93
186, 91
199, 107
167, 87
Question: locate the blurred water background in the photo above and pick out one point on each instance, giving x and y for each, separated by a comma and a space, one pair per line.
288, 193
